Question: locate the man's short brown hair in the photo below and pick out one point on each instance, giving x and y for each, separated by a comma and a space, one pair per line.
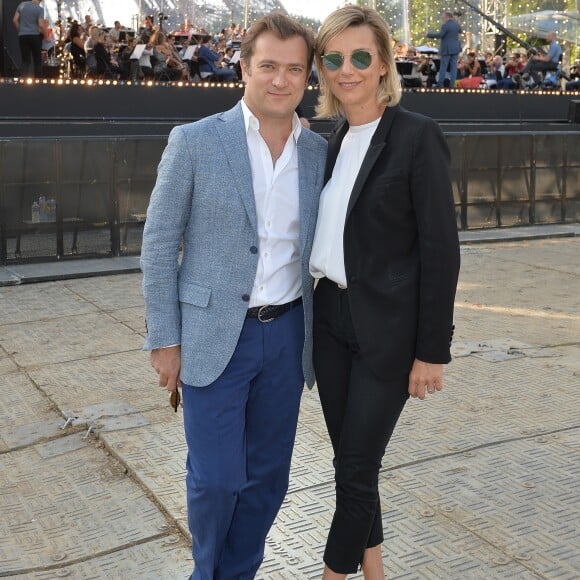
282, 27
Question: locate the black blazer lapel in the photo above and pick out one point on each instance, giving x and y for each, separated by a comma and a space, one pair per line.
334, 143
376, 147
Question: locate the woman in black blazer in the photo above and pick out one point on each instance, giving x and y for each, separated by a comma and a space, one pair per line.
386, 252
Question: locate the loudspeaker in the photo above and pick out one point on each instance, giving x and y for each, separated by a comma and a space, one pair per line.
574, 112
10, 57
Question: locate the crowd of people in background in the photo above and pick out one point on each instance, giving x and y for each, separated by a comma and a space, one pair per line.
187, 54
194, 54
88, 50
487, 70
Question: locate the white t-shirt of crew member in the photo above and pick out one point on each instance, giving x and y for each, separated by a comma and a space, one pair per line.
327, 257
278, 276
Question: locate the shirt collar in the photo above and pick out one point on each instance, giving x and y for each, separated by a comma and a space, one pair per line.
252, 122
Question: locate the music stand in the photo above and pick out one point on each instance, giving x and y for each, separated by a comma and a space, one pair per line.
190, 52
404, 67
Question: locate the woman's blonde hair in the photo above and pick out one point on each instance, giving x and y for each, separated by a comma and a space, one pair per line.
389, 92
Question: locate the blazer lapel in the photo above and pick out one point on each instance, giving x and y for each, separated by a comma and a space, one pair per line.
376, 147
334, 143
232, 131
307, 172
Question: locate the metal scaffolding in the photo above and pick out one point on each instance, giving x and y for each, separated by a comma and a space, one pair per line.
497, 10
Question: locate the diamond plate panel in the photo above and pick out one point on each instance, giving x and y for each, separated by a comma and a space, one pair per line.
125, 376
156, 455
68, 338
6, 364
526, 299
68, 510
109, 293
21, 404
134, 318
312, 456
548, 254
419, 542
469, 476
168, 558
33, 302
514, 399
522, 497
62, 445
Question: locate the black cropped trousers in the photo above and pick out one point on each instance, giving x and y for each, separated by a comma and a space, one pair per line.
361, 411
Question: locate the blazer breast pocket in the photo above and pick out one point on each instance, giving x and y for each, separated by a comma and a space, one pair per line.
390, 189
193, 294
390, 177
403, 274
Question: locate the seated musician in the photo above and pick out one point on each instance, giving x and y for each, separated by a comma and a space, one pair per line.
496, 72
574, 83
413, 78
165, 66
210, 63
541, 63
472, 70
77, 50
106, 66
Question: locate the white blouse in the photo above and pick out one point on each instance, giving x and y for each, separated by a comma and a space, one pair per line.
327, 257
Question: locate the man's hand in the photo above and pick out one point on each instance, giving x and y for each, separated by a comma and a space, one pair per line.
167, 363
425, 378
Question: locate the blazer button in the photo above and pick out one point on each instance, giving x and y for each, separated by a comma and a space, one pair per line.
352, 279
254, 250
246, 297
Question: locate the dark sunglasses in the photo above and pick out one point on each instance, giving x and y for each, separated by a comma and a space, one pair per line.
360, 59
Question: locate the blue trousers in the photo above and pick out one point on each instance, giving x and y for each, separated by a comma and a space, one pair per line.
240, 433
448, 62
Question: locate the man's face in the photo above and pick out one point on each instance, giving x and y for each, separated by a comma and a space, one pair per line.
276, 76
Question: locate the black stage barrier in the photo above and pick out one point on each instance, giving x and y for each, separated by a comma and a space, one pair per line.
49, 101
78, 162
63, 198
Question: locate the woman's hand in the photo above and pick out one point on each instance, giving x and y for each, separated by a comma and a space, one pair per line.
425, 378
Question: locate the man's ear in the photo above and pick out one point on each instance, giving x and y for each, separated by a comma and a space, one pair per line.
246, 72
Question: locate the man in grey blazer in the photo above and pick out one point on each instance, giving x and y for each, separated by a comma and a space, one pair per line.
449, 48
232, 321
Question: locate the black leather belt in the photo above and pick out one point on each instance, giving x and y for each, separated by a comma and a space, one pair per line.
270, 312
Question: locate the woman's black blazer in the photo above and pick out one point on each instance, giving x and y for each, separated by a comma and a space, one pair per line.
401, 247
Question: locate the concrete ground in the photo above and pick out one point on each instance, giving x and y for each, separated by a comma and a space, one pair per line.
480, 481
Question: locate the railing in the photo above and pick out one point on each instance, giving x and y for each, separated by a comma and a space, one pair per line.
101, 189
515, 179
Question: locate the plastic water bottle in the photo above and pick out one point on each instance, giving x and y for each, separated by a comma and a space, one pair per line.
35, 212
51, 204
43, 208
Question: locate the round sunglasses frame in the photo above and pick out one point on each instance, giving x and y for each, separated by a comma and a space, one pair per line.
361, 59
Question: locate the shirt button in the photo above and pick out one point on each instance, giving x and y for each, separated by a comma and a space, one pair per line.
266, 254
268, 223
254, 250
246, 297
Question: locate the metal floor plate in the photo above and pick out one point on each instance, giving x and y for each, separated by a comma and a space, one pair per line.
479, 482
67, 509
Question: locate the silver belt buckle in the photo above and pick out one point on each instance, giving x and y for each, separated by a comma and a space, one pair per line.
260, 314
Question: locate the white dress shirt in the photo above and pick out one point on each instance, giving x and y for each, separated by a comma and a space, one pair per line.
327, 257
278, 277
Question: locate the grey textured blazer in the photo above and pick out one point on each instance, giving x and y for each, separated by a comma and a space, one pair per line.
204, 196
